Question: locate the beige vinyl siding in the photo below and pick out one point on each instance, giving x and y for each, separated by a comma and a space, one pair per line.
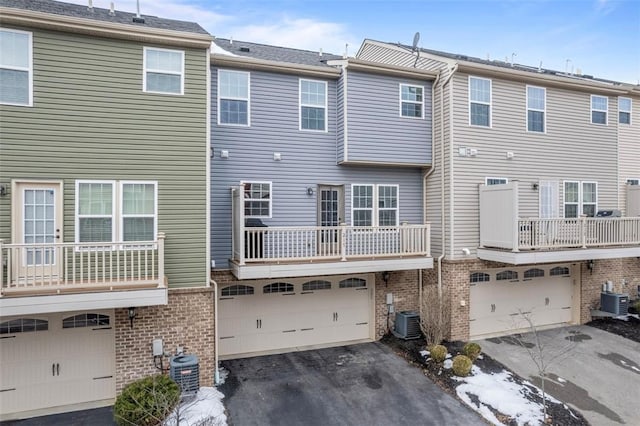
91, 120
629, 148
571, 149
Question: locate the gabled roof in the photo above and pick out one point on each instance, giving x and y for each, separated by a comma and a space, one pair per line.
275, 53
98, 14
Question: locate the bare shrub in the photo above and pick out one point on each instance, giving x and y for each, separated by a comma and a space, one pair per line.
435, 314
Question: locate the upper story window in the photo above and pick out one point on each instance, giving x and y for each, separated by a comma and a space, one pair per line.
107, 211
257, 199
624, 110
580, 198
496, 181
163, 71
411, 101
536, 109
233, 97
479, 101
374, 204
633, 181
599, 108
16, 67
313, 105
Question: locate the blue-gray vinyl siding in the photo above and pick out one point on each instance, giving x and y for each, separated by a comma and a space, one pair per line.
308, 159
376, 130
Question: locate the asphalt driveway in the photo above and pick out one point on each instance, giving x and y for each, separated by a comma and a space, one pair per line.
364, 384
598, 374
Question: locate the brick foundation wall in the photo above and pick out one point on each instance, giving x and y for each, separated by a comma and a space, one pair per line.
623, 273
187, 320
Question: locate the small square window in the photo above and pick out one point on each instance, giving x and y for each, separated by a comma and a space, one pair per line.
163, 71
16, 68
411, 101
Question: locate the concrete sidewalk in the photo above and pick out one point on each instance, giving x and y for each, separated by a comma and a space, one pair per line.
598, 374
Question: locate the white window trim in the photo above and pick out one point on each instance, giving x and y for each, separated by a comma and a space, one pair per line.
248, 98
632, 181
401, 101
29, 69
543, 111
490, 103
145, 70
374, 204
242, 182
326, 104
121, 214
630, 112
114, 208
606, 111
580, 201
488, 178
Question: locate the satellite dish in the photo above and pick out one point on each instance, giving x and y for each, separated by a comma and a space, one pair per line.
416, 39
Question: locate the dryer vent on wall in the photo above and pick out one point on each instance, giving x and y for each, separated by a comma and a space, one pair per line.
185, 371
407, 325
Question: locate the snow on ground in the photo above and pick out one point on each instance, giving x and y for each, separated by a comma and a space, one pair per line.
425, 353
447, 364
561, 380
626, 317
482, 390
204, 409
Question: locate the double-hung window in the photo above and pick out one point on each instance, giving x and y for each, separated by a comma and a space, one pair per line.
163, 71
374, 204
257, 199
233, 97
313, 105
109, 211
599, 108
536, 108
479, 101
16, 67
580, 198
624, 110
411, 101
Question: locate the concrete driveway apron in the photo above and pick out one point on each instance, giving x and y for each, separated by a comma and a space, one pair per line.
364, 384
599, 373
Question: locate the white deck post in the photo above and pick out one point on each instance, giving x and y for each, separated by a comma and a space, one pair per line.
583, 230
515, 218
2, 267
343, 242
161, 237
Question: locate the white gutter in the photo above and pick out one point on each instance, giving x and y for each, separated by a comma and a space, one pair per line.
216, 374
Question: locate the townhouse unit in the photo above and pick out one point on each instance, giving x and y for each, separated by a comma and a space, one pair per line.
103, 201
524, 160
317, 173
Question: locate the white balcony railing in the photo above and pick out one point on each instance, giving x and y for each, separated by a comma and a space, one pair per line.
33, 268
308, 243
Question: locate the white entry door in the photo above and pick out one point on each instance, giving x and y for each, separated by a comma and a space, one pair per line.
330, 215
38, 221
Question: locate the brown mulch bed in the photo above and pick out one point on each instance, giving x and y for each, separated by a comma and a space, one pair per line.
629, 329
559, 414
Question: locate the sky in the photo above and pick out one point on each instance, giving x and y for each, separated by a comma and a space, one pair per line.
597, 37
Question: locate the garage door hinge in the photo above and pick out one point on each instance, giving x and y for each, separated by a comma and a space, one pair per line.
362, 323
288, 331
306, 329
7, 390
102, 328
227, 337
102, 377
8, 337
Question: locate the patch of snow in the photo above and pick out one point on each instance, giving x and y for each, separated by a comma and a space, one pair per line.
205, 406
561, 380
424, 353
501, 392
447, 364
480, 357
223, 373
447, 356
219, 50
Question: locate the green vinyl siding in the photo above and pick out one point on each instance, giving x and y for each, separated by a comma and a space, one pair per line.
91, 120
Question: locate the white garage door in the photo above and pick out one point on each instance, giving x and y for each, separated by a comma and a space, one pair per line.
499, 297
284, 314
55, 360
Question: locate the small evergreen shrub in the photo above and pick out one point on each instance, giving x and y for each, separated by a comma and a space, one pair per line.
146, 402
636, 307
471, 350
438, 353
461, 365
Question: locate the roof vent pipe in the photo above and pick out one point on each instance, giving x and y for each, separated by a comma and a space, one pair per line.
90, 6
540, 67
320, 52
230, 40
112, 11
137, 8
346, 51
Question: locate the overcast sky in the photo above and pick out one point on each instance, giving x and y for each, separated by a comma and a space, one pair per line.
599, 37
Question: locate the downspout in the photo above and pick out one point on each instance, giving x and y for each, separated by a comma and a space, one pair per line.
451, 196
424, 182
216, 374
208, 156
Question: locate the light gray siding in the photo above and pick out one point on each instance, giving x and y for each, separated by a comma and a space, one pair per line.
308, 159
571, 149
91, 120
376, 130
628, 148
